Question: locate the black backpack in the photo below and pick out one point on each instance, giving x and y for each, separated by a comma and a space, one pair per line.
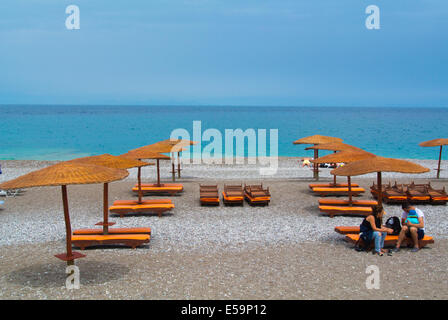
394, 224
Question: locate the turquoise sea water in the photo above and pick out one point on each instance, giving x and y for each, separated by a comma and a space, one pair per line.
66, 132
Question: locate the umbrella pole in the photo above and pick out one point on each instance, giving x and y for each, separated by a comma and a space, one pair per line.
440, 159
316, 166
178, 164
349, 190
380, 189
173, 168
158, 172
105, 208
139, 179
68, 228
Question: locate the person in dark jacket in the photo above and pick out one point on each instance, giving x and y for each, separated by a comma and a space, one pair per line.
372, 229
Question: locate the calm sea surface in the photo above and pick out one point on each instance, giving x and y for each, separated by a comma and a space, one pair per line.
66, 132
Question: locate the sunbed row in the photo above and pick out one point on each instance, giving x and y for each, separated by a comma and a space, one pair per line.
234, 195
414, 193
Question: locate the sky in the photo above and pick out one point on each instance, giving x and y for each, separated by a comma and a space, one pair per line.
225, 52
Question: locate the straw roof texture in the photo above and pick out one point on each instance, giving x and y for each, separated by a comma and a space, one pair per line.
434, 143
66, 173
335, 146
378, 164
317, 139
111, 161
146, 152
344, 156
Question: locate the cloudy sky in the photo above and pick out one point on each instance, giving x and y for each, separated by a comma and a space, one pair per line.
224, 52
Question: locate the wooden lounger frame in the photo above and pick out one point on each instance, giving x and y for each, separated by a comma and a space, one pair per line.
341, 202
145, 208
257, 195
113, 231
345, 210
164, 188
331, 185
208, 195
391, 240
233, 195
129, 240
323, 192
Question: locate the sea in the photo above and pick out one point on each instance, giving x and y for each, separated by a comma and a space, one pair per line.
63, 132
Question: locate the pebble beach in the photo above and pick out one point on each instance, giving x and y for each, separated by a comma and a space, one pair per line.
286, 250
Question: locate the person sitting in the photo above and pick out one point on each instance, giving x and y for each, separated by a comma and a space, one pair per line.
372, 229
413, 226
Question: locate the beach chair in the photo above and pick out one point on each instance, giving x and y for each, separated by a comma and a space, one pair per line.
331, 185
340, 191
208, 195
345, 210
257, 195
98, 231
233, 195
418, 194
158, 208
391, 194
390, 240
437, 196
164, 188
340, 202
129, 240
135, 202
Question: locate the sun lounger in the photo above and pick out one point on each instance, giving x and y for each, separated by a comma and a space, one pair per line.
129, 240
331, 185
158, 208
345, 210
391, 240
208, 195
438, 196
113, 231
391, 194
417, 194
165, 188
342, 191
233, 195
340, 202
257, 195
135, 202
347, 229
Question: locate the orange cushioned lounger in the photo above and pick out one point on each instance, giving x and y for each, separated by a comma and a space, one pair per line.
418, 198
232, 198
358, 203
347, 230
345, 210
392, 240
337, 191
330, 185
167, 185
164, 188
210, 200
158, 208
113, 231
130, 240
258, 200
135, 202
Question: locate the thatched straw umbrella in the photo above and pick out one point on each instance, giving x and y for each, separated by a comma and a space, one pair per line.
147, 152
165, 147
378, 165
110, 161
178, 145
345, 157
317, 139
63, 174
335, 146
436, 143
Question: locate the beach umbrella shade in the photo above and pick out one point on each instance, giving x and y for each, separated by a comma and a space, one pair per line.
335, 146
147, 152
63, 174
179, 144
117, 162
166, 147
345, 157
379, 165
436, 143
315, 140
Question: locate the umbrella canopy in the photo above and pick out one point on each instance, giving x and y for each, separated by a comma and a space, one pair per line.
436, 143
147, 152
317, 139
63, 174
345, 157
116, 162
178, 145
378, 165
335, 146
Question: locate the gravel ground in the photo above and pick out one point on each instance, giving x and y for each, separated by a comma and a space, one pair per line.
286, 250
